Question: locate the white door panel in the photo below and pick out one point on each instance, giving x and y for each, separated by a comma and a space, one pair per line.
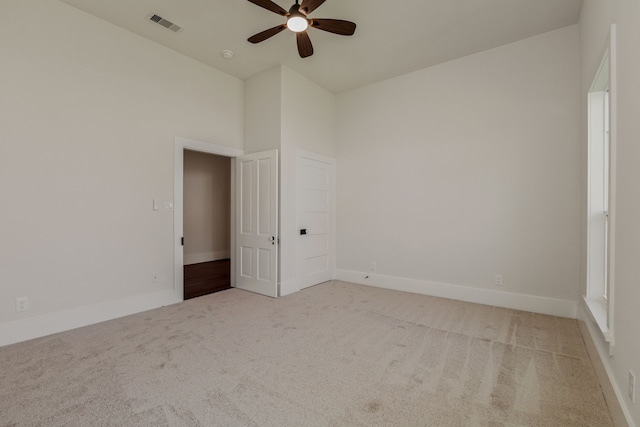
316, 200
257, 210
316, 265
319, 222
316, 215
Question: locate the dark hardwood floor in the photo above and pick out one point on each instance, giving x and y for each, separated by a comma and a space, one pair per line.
206, 278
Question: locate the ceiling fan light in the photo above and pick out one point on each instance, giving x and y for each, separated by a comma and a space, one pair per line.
297, 24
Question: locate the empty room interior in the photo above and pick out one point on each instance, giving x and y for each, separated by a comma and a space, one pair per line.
425, 212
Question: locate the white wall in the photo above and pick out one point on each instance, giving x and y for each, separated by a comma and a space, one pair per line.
595, 21
308, 114
308, 123
88, 116
454, 173
287, 111
207, 207
263, 111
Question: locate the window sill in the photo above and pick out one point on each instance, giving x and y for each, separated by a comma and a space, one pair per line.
597, 309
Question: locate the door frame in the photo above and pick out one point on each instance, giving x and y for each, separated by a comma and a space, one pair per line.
180, 145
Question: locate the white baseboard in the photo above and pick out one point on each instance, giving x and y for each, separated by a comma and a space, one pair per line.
289, 287
603, 354
35, 327
205, 257
535, 304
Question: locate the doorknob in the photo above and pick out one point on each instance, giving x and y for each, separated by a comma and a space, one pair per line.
273, 240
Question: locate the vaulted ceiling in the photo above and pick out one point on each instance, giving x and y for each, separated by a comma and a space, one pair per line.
392, 37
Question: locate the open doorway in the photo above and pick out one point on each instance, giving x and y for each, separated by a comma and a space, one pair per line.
207, 223
182, 146
254, 234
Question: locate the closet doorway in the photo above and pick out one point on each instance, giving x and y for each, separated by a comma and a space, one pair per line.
206, 223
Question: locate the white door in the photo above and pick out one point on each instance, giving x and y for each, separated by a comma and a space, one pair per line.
316, 218
257, 223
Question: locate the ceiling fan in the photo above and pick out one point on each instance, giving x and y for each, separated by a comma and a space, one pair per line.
298, 22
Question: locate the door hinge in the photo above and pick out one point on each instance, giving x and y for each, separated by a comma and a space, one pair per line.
182, 241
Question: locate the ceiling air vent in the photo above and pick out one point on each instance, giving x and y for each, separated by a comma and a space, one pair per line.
165, 23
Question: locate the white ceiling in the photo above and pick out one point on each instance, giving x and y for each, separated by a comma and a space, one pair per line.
392, 37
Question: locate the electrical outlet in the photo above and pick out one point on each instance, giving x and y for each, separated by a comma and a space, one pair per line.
632, 386
22, 304
373, 266
498, 279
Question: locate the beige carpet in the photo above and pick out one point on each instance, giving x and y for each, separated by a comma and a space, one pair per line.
334, 354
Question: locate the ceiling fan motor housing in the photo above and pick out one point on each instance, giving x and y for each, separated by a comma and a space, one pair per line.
296, 20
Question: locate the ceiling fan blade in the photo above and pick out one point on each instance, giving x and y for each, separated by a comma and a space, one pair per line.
269, 5
309, 6
266, 34
305, 48
336, 26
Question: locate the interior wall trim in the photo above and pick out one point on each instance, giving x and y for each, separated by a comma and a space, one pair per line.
288, 287
599, 345
532, 303
206, 257
36, 327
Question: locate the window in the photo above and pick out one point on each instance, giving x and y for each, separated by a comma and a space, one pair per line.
601, 194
